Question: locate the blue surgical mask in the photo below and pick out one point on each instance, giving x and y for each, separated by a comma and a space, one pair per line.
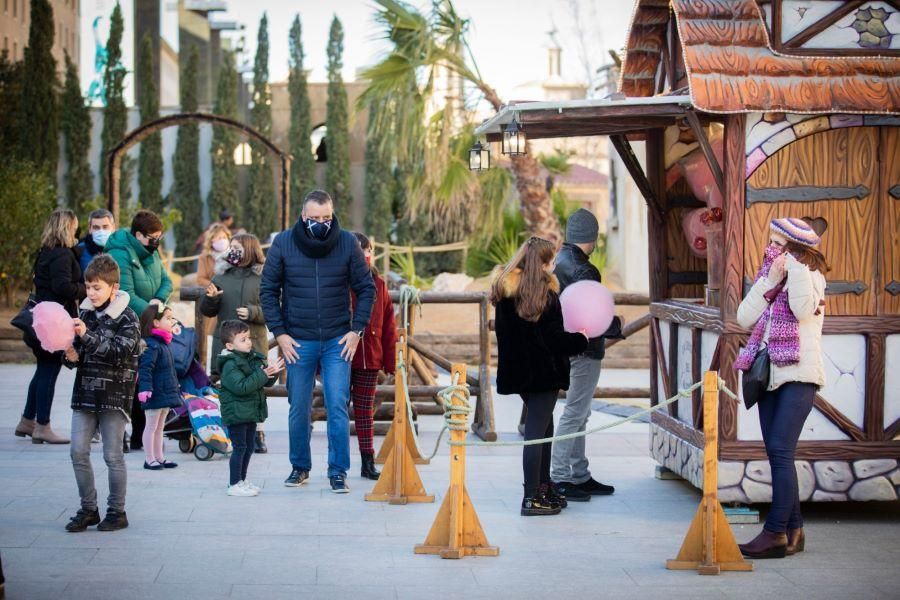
318, 230
101, 236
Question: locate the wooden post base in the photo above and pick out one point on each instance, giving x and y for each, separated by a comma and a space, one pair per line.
456, 531
399, 482
724, 556
388, 444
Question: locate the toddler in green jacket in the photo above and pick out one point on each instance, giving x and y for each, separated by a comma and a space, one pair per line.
243, 375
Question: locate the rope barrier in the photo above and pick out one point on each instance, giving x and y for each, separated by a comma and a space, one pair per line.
409, 294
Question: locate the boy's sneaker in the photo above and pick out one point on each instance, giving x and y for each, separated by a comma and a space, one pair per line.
339, 484
241, 490
595, 488
297, 478
114, 521
250, 486
83, 519
572, 492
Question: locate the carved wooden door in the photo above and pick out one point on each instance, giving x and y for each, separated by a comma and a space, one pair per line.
889, 285
833, 175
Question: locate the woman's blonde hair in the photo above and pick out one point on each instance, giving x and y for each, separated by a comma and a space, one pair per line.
253, 254
212, 233
59, 232
534, 286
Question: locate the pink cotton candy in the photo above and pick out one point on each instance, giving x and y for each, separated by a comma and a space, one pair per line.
587, 306
53, 326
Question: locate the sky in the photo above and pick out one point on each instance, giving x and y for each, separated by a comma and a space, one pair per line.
508, 37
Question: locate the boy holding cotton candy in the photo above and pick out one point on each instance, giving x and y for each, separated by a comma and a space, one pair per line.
569, 464
106, 350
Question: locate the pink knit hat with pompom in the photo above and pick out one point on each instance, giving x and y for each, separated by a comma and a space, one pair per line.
796, 230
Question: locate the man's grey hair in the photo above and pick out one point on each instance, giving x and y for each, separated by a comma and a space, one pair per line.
318, 196
101, 213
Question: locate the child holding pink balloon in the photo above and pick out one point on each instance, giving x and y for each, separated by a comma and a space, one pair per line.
533, 359
158, 388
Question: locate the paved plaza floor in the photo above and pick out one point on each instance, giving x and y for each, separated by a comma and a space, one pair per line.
187, 539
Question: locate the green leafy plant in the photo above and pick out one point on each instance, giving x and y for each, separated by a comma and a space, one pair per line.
499, 248
26, 200
404, 263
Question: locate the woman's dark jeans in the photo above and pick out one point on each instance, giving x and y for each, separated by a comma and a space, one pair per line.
42, 387
782, 413
538, 424
243, 442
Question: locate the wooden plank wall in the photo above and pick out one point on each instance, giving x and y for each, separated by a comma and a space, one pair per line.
889, 153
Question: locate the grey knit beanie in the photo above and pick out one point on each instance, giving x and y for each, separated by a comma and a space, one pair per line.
582, 227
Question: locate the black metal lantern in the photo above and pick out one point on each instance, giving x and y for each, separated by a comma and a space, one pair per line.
479, 157
513, 139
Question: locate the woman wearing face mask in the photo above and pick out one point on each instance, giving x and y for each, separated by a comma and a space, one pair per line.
785, 308
234, 294
57, 278
143, 277
212, 259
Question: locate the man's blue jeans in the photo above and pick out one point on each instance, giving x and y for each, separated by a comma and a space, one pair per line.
301, 377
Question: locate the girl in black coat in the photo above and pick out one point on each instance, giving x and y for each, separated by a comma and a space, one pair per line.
57, 278
533, 359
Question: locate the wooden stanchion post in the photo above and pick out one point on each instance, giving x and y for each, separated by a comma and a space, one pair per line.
399, 482
456, 531
709, 546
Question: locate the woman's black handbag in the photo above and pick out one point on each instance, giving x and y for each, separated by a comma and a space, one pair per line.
755, 381
24, 320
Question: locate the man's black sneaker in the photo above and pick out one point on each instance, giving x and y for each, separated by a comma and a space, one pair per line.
297, 478
339, 484
537, 506
572, 492
114, 521
83, 519
554, 494
595, 488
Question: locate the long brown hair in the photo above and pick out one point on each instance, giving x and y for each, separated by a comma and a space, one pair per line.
534, 285
809, 256
253, 254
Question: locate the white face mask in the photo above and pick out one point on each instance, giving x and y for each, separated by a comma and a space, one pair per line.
101, 236
220, 245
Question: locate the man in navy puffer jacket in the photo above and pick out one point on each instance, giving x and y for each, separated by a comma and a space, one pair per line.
305, 296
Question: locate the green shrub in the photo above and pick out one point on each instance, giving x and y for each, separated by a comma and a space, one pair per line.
27, 198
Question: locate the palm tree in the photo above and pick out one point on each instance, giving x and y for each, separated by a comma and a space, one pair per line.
423, 49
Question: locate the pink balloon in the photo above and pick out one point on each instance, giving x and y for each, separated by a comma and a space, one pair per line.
695, 231
587, 306
53, 326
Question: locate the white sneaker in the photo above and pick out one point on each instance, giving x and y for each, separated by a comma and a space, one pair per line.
250, 486
239, 490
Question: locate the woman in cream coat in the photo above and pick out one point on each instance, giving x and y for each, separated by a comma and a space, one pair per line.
785, 308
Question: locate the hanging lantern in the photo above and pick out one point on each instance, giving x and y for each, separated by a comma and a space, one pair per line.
479, 157
513, 139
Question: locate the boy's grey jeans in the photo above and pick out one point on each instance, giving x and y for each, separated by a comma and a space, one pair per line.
112, 428
569, 463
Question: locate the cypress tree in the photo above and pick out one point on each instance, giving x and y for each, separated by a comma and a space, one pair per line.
379, 183
337, 140
262, 217
10, 92
185, 194
76, 127
150, 161
115, 115
224, 191
39, 123
303, 167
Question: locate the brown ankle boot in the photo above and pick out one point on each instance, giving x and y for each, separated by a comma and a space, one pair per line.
44, 434
25, 427
796, 541
766, 545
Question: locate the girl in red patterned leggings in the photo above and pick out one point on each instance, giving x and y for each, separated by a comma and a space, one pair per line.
375, 353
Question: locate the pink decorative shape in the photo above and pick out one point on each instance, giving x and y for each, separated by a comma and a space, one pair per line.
587, 306
695, 231
756, 158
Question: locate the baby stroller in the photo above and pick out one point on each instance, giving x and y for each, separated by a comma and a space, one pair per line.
197, 423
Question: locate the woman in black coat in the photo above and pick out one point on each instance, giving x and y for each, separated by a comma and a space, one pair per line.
533, 359
57, 278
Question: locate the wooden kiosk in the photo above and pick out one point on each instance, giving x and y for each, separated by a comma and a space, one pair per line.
762, 110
